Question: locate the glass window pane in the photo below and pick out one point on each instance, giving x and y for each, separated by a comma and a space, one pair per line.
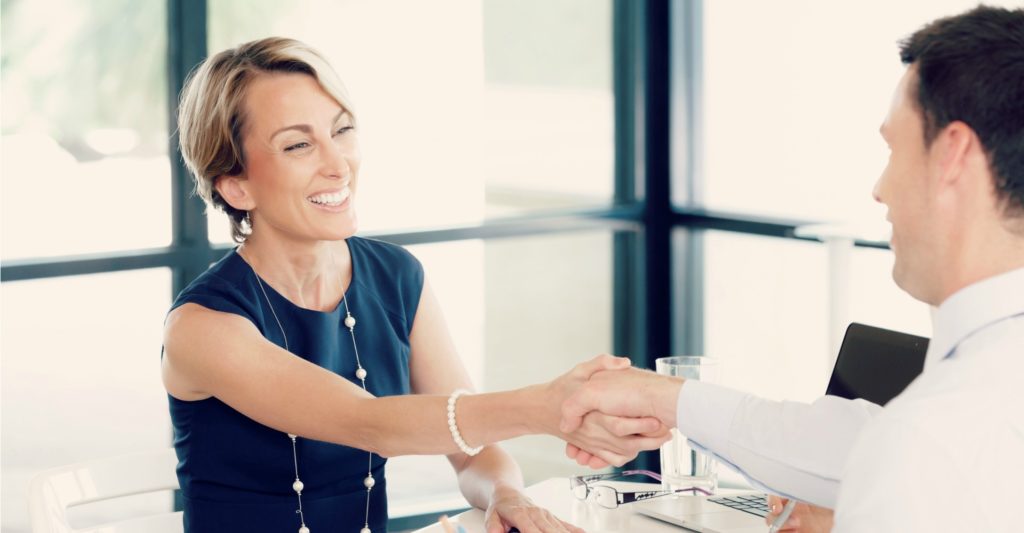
794, 93
765, 313
81, 381
549, 307
468, 109
876, 299
84, 165
766, 310
521, 311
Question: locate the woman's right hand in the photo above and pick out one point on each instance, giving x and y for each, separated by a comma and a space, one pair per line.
620, 439
609, 439
806, 518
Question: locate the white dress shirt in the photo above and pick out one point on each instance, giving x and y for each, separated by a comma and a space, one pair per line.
801, 450
789, 448
948, 453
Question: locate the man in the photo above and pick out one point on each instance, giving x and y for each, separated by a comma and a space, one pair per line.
948, 453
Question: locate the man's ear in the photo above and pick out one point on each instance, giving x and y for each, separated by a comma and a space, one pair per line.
955, 149
234, 190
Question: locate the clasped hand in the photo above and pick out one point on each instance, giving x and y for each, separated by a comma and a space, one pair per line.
603, 417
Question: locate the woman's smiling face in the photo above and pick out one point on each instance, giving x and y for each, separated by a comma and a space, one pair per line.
301, 161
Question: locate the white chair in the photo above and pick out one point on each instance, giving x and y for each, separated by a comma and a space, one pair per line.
52, 492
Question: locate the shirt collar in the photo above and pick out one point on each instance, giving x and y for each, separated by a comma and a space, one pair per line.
973, 308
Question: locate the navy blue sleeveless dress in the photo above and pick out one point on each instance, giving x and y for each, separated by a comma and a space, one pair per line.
236, 474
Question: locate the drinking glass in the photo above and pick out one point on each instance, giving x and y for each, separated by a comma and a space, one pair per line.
681, 465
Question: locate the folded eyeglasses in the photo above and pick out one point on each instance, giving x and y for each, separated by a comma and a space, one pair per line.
610, 497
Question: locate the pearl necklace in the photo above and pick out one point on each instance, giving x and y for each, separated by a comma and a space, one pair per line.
368, 481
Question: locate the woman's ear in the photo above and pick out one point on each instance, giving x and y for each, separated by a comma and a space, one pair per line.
234, 190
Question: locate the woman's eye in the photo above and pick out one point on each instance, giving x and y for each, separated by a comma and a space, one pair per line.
343, 129
296, 146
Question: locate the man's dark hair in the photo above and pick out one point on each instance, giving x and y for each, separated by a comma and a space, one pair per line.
970, 68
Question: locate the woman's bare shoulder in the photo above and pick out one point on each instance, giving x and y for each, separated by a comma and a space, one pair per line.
198, 344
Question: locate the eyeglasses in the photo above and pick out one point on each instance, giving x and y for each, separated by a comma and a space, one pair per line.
610, 498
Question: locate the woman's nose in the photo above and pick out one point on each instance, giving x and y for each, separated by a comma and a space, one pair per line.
334, 161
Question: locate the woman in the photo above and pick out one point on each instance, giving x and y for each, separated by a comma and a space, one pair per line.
284, 409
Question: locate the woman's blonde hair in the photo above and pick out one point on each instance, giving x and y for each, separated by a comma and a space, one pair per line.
211, 111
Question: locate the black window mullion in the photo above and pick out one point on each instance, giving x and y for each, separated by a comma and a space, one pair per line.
627, 85
643, 281
186, 47
686, 84
78, 265
657, 146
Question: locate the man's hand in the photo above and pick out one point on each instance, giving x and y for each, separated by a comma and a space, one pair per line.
630, 393
608, 439
805, 518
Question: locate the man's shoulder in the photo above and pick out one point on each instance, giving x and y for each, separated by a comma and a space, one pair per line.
947, 431
984, 369
959, 404
952, 391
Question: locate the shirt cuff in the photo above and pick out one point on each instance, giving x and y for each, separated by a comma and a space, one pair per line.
704, 414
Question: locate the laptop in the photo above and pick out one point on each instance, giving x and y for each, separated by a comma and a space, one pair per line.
875, 364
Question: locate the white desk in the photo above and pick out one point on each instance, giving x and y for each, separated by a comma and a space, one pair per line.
553, 494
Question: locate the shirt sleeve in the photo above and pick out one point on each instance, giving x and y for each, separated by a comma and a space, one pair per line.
789, 448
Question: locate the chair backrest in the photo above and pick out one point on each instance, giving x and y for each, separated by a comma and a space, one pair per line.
52, 492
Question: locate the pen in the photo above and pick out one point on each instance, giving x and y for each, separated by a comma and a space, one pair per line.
786, 511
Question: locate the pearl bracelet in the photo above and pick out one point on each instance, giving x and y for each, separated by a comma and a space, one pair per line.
454, 428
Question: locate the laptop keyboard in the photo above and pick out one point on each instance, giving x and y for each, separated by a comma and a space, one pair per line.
754, 504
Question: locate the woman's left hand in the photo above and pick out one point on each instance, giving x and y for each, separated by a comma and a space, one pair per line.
510, 508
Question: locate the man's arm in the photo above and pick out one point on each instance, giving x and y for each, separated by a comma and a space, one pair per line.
792, 448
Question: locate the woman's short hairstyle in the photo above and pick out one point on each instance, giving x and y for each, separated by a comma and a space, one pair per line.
211, 111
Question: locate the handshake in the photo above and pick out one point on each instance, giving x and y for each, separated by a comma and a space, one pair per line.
607, 411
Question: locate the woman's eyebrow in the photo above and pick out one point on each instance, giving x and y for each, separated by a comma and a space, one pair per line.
306, 128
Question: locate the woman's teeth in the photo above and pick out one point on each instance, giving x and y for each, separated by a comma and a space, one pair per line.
332, 199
